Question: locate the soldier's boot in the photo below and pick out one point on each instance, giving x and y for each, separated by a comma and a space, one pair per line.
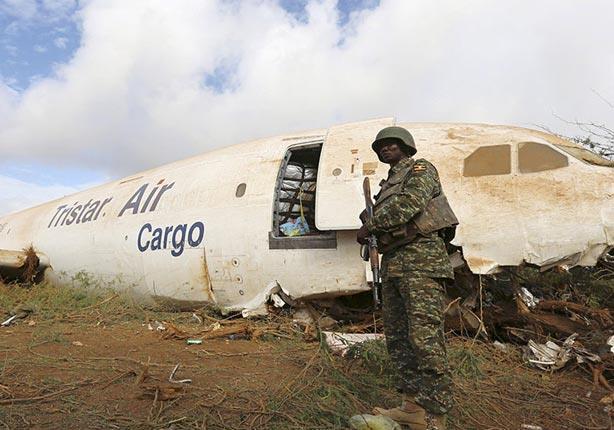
436, 422
408, 414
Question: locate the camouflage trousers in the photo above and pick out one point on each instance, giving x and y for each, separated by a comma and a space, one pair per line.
413, 324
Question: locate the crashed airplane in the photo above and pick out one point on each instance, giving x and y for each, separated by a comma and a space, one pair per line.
226, 227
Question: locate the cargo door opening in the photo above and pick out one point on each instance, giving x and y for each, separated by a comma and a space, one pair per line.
294, 205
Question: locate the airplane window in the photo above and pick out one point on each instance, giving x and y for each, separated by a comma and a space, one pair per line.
537, 157
488, 160
240, 190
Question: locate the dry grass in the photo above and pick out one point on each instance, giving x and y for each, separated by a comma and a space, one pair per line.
280, 379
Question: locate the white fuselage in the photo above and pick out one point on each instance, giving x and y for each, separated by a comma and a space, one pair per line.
199, 230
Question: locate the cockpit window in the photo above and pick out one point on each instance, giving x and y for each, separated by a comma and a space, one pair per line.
537, 157
488, 160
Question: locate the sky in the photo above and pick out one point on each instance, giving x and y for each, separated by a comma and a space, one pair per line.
94, 90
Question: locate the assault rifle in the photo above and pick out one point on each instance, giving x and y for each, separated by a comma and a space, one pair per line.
369, 251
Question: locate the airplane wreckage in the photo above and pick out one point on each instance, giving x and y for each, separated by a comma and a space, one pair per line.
222, 227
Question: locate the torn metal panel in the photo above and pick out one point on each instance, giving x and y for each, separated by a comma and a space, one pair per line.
12, 259
14, 263
550, 356
340, 342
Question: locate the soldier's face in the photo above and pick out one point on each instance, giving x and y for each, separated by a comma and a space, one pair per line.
391, 153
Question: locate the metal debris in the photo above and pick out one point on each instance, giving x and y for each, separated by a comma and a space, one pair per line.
340, 342
156, 325
9, 321
528, 298
19, 312
550, 356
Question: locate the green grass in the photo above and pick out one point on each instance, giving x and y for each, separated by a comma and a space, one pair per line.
48, 335
50, 302
329, 389
335, 388
464, 362
373, 355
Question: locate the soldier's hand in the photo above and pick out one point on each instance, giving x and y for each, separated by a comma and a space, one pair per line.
361, 235
363, 216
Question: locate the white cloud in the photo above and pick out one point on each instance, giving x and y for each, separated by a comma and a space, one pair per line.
11, 49
59, 7
26, 13
60, 42
134, 94
39, 48
16, 194
21, 9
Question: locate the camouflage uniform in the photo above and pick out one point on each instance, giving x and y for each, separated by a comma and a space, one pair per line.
412, 291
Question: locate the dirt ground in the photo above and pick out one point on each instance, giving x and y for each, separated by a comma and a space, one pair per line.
92, 362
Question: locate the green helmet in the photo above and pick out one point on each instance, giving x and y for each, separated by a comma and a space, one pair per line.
397, 134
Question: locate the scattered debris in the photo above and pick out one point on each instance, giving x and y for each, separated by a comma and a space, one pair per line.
467, 319
302, 316
77, 343
528, 298
610, 343
18, 312
156, 325
215, 326
500, 346
530, 427
579, 312
155, 389
272, 293
9, 321
550, 356
373, 422
278, 302
235, 329
161, 391
172, 332
194, 341
340, 342
197, 318
172, 379
307, 387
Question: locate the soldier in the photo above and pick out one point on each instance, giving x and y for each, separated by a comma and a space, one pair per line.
410, 213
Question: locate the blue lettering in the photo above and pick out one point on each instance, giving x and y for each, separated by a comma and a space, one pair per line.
134, 201
201, 233
156, 241
178, 243
171, 237
143, 248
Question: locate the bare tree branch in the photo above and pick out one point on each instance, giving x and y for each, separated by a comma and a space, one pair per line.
596, 137
606, 101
